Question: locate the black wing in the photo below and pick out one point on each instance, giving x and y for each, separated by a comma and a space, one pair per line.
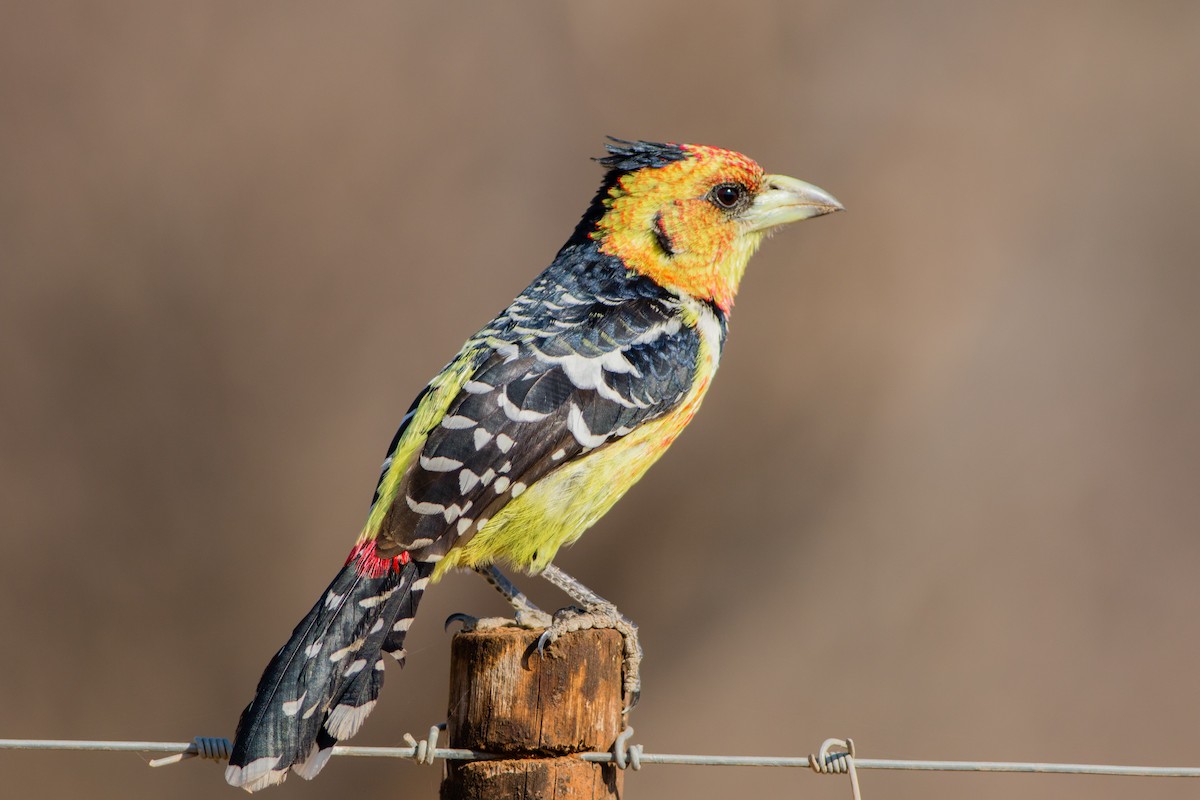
582, 379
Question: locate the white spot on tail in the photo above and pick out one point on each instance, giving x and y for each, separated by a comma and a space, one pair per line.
292, 707
558, 455
258, 774
501, 485
517, 489
457, 422
402, 624
482, 521
452, 513
345, 720
419, 584
371, 602
467, 481
464, 524
308, 712
309, 767
313, 648
379, 665
477, 387
353, 647
333, 598
487, 476
357, 665
399, 655
377, 627
505, 442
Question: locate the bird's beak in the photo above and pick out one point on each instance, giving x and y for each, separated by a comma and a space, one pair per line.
785, 200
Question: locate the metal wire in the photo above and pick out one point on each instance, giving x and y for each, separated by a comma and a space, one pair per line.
459, 754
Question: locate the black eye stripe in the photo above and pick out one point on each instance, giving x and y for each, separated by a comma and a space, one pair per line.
661, 236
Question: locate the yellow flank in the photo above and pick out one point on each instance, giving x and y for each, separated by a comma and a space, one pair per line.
557, 509
442, 391
710, 248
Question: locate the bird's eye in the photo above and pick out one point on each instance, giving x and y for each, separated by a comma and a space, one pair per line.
727, 195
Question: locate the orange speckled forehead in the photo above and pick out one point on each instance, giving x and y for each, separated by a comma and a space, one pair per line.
728, 164
704, 168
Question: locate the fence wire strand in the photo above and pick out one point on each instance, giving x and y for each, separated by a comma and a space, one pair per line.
459, 754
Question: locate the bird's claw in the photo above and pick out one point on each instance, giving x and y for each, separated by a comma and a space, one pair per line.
468, 622
562, 621
602, 616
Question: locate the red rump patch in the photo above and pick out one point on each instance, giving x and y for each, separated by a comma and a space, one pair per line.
371, 565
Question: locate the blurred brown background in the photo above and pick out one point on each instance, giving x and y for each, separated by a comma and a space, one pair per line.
942, 499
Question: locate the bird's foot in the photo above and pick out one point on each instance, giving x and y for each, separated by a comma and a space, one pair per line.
471, 623
599, 616
526, 618
533, 619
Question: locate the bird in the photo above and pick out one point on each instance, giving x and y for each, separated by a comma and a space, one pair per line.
531, 433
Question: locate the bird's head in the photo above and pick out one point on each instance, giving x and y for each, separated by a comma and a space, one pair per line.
690, 216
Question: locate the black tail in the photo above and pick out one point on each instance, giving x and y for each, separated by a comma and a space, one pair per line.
323, 683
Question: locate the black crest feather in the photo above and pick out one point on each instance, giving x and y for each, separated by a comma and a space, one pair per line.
627, 156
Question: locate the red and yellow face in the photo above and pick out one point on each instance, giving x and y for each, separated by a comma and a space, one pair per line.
693, 224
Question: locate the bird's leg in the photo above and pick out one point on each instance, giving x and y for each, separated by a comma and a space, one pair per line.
527, 614
595, 613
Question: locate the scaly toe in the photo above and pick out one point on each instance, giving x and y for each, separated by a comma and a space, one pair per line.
470, 623
534, 619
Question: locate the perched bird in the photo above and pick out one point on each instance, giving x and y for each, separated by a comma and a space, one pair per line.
531, 433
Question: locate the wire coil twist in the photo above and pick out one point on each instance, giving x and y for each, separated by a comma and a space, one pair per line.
837, 763
425, 750
212, 748
625, 755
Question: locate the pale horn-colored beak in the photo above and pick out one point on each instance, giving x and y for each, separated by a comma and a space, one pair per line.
785, 200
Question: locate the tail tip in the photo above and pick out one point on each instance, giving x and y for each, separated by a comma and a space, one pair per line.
317, 756
258, 774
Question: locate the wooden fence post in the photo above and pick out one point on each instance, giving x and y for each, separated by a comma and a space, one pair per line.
537, 711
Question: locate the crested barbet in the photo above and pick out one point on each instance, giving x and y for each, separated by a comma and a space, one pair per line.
543, 420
